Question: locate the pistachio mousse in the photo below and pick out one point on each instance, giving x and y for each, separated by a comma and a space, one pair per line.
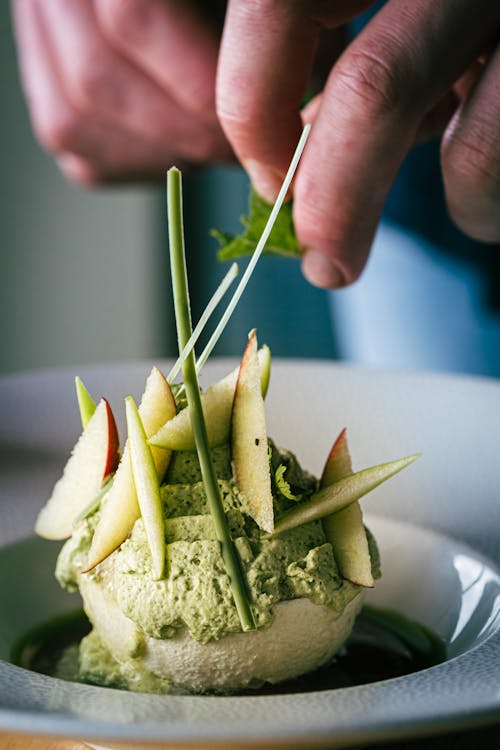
152, 576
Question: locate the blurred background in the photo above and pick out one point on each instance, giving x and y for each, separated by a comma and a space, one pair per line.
84, 275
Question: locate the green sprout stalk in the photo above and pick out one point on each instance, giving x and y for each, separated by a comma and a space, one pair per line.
184, 331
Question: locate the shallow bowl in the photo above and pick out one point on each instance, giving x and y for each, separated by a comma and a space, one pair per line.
437, 525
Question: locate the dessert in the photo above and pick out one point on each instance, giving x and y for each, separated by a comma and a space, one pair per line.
176, 628
207, 559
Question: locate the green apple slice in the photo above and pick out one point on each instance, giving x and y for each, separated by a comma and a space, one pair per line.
86, 403
121, 510
249, 440
345, 530
94, 457
264, 356
217, 404
337, 496
147, 487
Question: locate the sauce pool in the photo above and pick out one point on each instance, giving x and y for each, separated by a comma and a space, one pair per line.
384, 644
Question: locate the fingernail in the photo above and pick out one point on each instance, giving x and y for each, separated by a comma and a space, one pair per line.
266, 180
320, 271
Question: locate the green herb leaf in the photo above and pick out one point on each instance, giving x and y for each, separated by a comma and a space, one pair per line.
282, 240
284, 486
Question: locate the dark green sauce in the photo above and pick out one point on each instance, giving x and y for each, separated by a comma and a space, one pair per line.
46, 646
383, 644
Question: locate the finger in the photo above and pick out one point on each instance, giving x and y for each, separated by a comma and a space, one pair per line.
39, 81
377, 95
102, 85
87, 152
171, 42
265, 62
266, 59
125, 158
471, 158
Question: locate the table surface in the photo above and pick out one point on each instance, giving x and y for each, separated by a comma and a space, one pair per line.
18, 742
487, 737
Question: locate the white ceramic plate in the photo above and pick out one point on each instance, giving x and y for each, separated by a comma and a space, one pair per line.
437, 524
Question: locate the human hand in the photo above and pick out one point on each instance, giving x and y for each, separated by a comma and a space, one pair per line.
120, 90
417, 68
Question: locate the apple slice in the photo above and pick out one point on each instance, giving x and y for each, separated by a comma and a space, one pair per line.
249, 445
121, 510
217, 403
94, 457
338, 464
337, 496
345, 530
86, 403
147, 487
264, 356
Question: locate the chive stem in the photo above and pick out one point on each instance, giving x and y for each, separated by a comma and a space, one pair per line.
184, 330
95, 502
212, 304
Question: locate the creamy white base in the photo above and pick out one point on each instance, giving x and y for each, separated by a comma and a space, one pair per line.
302, 637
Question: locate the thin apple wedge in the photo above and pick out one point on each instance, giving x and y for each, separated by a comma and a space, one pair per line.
121, 510
337, 496
147, 487
217, 404
86, 403
338, 463
264, 356
345, 529
94, 457
249, 445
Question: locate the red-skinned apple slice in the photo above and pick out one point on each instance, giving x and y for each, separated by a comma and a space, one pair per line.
121, 510
249, 440
217, 404
345, 530
94, 457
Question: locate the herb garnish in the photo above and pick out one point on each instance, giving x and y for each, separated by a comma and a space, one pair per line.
283, 485
282, 240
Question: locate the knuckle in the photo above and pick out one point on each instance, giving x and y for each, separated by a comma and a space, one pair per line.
260, 13
123, 20
372, 80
